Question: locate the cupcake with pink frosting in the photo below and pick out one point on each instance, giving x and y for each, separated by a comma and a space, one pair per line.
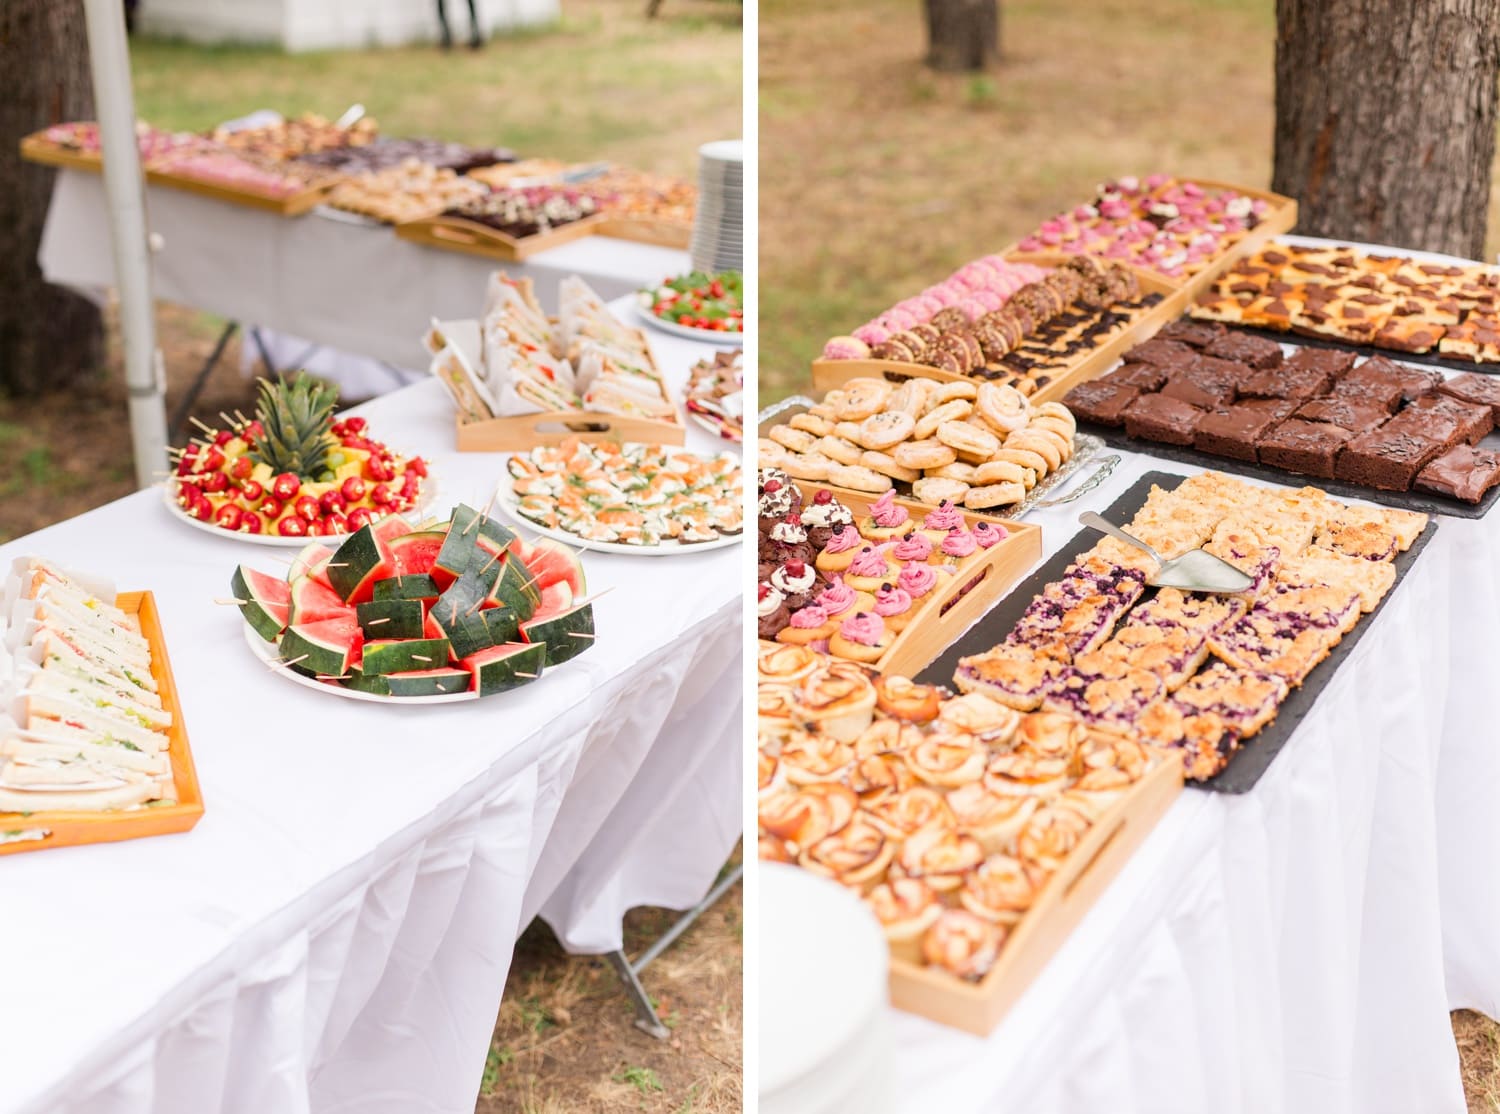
870, 569
840, 548
861, 637
987, 534
894, 605
808, 624
912, 546
886, 519
840, 600
942, 518
958, 545
917, 580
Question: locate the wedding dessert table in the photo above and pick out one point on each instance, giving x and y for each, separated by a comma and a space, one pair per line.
336, 931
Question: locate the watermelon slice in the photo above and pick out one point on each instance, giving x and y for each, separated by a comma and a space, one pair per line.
391, 527
565, 635
361, 681
504, 667
409, 586
264, 601
466, 633
312, 601
428, 682
312, 560
364, 558
501, 624
387, 619
556, 599
415, 553
467, 531
326, 648
404, 655
551, 562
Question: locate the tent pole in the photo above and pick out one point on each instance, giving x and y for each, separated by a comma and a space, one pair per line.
109, 59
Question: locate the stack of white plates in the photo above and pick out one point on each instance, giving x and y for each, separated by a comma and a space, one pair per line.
719, 223
824, 1045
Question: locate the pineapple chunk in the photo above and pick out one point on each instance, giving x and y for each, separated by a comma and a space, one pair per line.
262, 475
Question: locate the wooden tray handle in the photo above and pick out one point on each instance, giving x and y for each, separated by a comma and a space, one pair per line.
454, 235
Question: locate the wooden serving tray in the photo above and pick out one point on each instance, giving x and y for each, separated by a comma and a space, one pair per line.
829, 374
978, 1007
473, 238
292, 205
528, 431
645, 230
950, 610
36, 149
71, 829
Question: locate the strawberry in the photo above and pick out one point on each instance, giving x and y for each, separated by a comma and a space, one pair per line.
251, 491
215, 483
271, 508
355, 425
241, 468
358, 518
417, 465
229, 516
286, 486
212, 460
250, 523
292, 527
202, 510
378, 470
380, 495
307, 507
352, 489
253, 432
338, 524
331, 502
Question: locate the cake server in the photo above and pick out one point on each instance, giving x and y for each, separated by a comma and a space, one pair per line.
1195, 571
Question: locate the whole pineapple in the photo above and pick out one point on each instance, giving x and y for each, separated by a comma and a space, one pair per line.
296, 417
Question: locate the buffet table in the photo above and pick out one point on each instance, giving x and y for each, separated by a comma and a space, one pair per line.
331, 278
1297, 948
335, 934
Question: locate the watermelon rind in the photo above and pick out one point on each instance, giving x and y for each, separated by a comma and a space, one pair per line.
326, 648
501, 624
311, 601
387, 619
522, 580
429, 682
501, 668
551, 562
466, 634
363, 559
312, 560
264, 601
360, 681
404, 655
406, 586
565, 635
466, 529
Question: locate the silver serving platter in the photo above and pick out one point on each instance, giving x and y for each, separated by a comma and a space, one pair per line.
1086, 448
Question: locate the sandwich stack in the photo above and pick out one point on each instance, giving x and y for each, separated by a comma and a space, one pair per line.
718, 225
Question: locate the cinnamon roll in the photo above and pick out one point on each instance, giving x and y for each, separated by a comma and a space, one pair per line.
810, 814
962, 944
776, 709
940, 856
1024, 774
909, 810
838, 701
808, 759
772, 777
1116, 752
994, 819
947, 761
857, 855
981, 716
786, 665
773, 850
1097, 791
880, 776
1002, 889
903, 699
886, 736
906, 908
1050, 735
1050, 836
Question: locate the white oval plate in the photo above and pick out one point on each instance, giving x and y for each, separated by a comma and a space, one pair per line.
429, 492
505, 499
708, 336
267, 653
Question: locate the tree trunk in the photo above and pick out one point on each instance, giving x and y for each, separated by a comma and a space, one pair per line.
49, 337
962, 34
1385, 119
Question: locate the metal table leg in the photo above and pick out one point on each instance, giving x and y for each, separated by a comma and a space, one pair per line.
645, 1013
185, 407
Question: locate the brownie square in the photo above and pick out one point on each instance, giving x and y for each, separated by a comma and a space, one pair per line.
1309, 448
1195, 334
1427, 424
1159, 418
1413, 382
1354, 416
1474, 421
1145, 377
1287, 382
1207, 382
1386, 394
1463, 472
1331, 360
1233, 431
1482, 390
1246, 348
1101, 401
1389, 461
1163, 353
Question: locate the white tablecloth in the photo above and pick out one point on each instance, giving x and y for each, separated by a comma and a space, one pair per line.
336, 281
1296, 949
335, 933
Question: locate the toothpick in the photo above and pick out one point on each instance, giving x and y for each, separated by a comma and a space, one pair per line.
373, 622
230, 422
419, 657
243, 420
226, 603
580, 634
340, 677
532, 676
208, 429
293, 661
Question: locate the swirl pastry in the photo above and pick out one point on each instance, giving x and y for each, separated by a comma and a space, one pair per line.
903, 813
994, 819
940, 856
1050, 836
776, 709
838, 701
1002, 889
962, 944
1096, 792
886, 736
786, 665
880, 776
1116, 752
770, 776
772, 849
947, 761
1050, 735
906, 908
856, 856
1025, 774
979, 715
811, 814
903, 699
807, 759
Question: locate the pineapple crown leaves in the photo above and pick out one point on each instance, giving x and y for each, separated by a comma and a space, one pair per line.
297, 416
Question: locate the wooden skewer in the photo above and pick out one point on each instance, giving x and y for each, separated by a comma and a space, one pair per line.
372, 622
208, 429
226, 603
230, 422
580, 634
419, 657
243, 420
532, 676
294, 661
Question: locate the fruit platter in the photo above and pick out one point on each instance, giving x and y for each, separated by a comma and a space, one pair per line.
293, 471
634, 499
430, 613
698, 306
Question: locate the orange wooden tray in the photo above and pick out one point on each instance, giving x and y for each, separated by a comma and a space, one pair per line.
528, 431
71, 829
291, 205
36, 149
645, 230
474, 238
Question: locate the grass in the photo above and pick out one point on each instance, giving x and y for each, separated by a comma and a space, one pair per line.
879, 177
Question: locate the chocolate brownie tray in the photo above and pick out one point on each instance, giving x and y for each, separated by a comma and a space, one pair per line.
1247, 764
1426, 359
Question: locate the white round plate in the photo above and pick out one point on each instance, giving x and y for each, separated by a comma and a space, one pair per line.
268, 653
429, 491
505, 499
708, 336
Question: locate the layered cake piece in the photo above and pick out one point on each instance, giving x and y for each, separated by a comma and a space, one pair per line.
1463, 472
1014, 675
1287, 381
1245, 348
1310, 448
1244, 701
1316, 566
1143, 376
1104, 690
1279, 643
1195, 334
1382, 372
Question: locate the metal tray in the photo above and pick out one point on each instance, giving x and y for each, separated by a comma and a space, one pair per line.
1252, 760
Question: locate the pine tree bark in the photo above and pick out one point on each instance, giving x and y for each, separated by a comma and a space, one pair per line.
962, 34
1385, 119
49, 337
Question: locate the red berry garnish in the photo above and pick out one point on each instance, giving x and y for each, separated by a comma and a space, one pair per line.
773, 486
823, 497
796, 568
765, 590
292, 527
